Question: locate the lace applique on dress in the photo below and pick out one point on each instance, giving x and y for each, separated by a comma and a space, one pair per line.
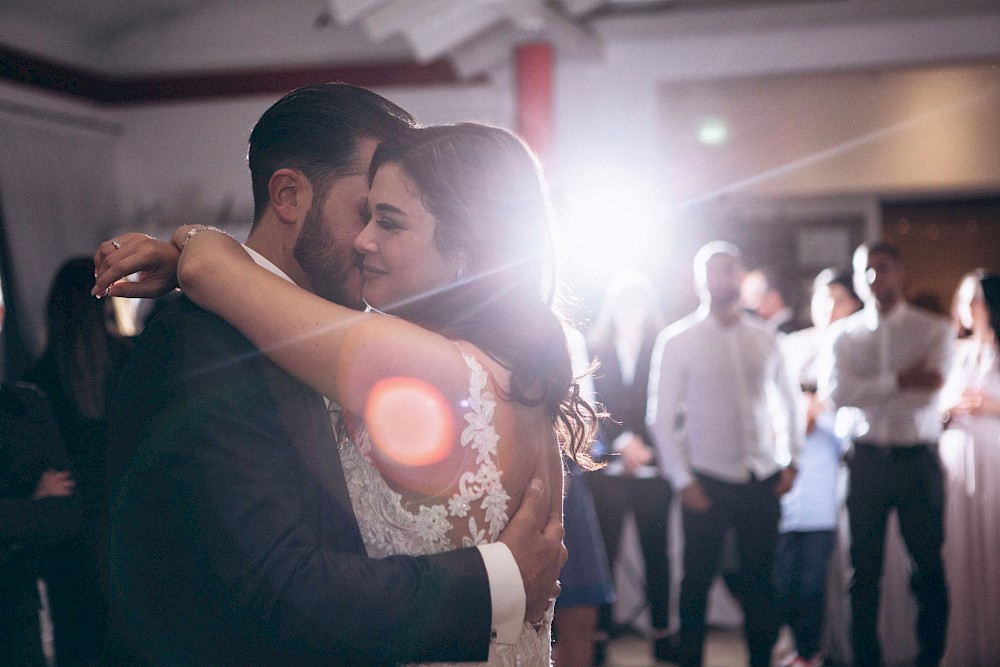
391, 527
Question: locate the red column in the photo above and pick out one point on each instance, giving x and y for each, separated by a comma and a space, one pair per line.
534, 96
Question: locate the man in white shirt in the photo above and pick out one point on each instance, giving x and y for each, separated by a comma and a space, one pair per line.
712, 376
889, 361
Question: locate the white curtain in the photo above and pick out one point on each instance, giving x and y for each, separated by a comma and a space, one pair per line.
57, 190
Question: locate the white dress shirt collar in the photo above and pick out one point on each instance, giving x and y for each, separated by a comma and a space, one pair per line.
873, 316
266, 263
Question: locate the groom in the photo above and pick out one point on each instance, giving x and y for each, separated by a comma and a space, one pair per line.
232, 538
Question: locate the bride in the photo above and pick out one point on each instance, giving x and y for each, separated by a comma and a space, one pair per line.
450, 407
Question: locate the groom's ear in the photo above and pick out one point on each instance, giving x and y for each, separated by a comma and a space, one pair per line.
291, 194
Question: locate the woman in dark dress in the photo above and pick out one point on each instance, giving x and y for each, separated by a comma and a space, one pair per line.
35, 508
80, 357
622, 340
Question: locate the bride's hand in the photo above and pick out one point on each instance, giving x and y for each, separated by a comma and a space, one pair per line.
153, 260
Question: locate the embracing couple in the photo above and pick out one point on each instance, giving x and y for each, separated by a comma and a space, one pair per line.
303, 482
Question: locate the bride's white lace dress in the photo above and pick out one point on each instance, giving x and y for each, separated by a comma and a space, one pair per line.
391, 526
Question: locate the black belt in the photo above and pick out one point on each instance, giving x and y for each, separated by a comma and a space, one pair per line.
894, 449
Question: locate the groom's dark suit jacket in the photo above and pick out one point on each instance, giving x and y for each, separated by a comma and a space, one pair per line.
233, 541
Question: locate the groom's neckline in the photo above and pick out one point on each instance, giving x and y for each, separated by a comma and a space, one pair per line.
266, 263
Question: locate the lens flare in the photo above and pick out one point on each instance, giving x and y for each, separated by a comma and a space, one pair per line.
410, 422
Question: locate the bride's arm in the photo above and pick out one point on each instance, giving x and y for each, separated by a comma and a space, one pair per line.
338, 351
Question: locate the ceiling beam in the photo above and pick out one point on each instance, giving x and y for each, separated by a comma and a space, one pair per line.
461, 23
30, 70
348, 11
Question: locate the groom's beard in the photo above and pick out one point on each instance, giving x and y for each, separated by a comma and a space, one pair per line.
334, 271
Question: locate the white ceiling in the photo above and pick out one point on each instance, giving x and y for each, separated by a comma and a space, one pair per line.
164, 36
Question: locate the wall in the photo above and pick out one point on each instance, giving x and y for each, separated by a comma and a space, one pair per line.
178, 163
57, 188
917, 130
612, 108
628, 113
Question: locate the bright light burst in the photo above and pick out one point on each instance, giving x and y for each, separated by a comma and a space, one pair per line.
612, 217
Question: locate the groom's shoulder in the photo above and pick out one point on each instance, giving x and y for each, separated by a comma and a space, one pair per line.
175, 310
180, 341
174, 317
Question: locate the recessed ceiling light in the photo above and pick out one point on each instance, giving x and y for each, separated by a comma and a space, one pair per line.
713, 131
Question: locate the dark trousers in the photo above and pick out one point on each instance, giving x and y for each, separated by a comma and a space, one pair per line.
752, 510
20, 632
908, 479
648, 500
800, 568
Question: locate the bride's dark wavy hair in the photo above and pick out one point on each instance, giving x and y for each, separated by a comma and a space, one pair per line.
486, 191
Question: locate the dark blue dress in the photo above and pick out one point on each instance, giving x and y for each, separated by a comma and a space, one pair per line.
585, 577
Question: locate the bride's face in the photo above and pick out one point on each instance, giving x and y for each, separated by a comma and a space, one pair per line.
402, 260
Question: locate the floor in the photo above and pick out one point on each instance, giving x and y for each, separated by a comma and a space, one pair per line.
724, 648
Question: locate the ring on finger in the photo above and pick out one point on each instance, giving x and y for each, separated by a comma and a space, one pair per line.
116, 244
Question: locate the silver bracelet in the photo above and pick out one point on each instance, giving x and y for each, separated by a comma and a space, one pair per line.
199, 228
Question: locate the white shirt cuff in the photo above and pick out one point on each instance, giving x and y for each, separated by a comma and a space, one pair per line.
680, 478
623, 439
506, 592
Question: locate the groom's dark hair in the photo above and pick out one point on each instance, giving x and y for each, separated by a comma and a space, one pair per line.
316, 129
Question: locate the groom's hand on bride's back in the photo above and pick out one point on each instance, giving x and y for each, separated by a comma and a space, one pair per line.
535, 538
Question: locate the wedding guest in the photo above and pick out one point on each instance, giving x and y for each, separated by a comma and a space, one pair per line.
709, 414
631, 484
772, 297
80, 358
809, 511
889, 361
970, 455
36, 509
585, 577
